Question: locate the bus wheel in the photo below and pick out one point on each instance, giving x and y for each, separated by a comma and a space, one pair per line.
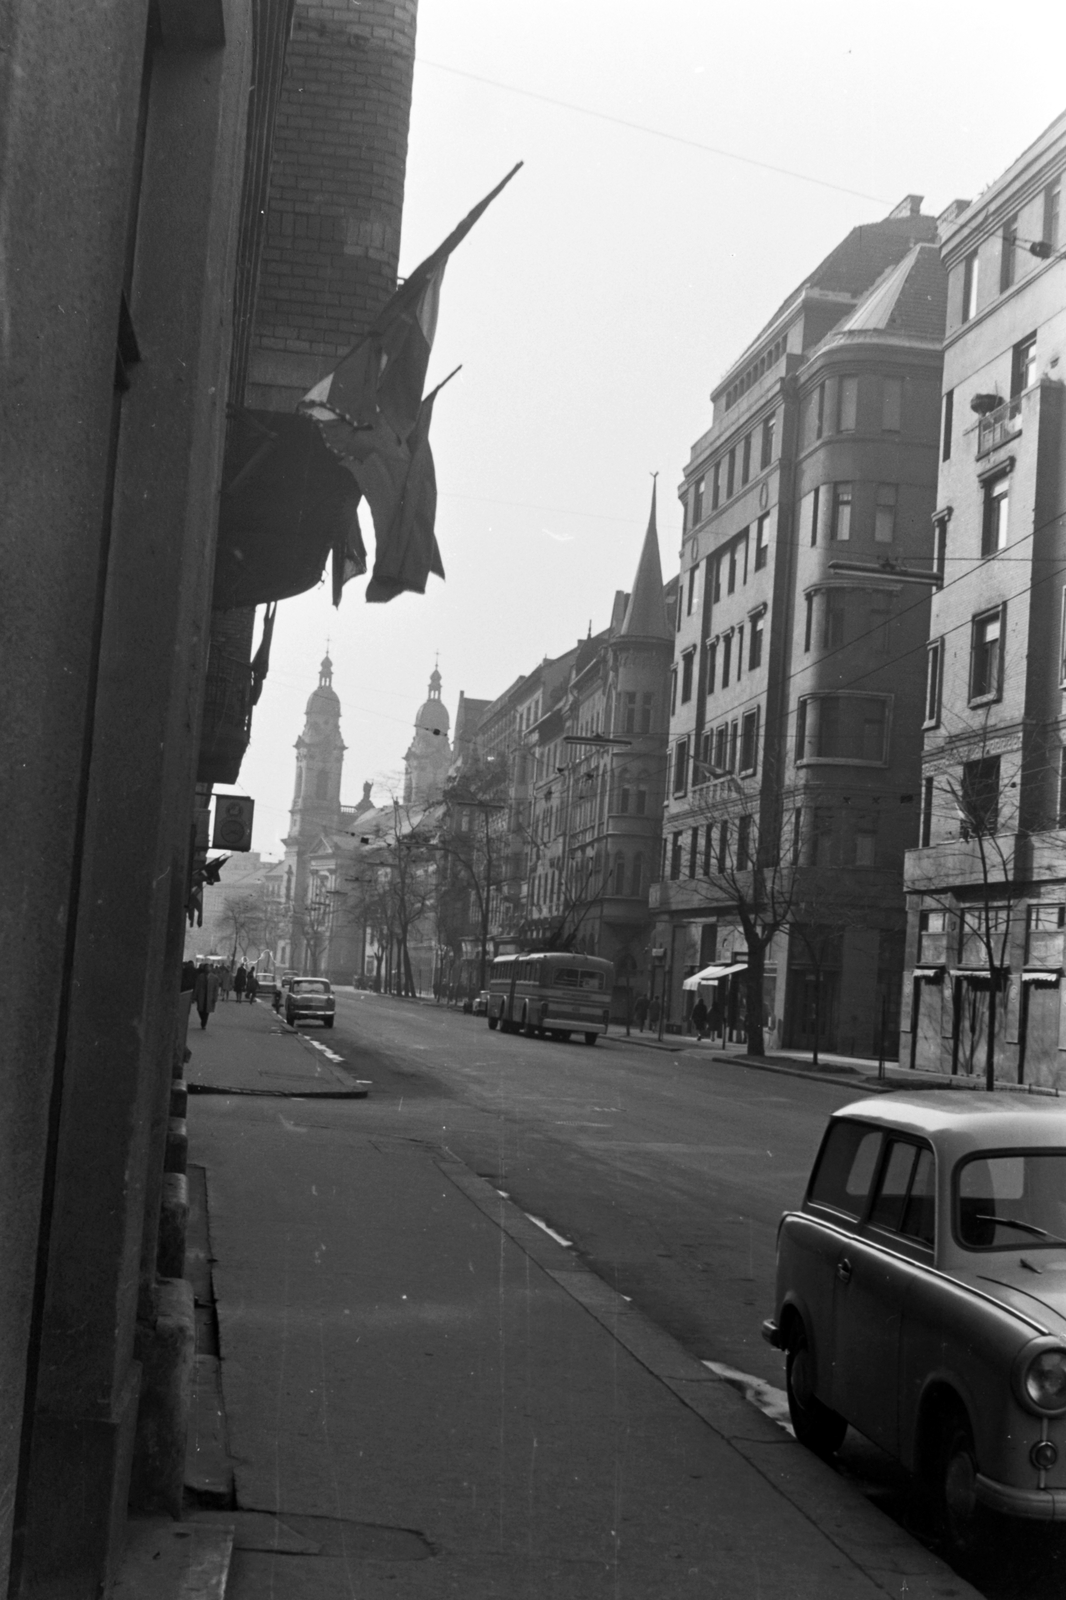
590, 1038
565, 1036
493, 1021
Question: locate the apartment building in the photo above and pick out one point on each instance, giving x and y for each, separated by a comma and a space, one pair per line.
987, 884
796, 700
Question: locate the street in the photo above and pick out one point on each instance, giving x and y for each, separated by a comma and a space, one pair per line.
666, 1171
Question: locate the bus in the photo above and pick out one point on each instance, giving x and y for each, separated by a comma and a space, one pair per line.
551, 994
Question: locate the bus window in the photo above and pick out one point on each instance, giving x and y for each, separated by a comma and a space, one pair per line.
574, 978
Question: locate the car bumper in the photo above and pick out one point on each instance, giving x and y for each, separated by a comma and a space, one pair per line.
771, 1333
1039, 1505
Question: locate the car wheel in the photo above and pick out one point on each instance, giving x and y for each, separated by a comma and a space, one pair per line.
958, 1512
590, 1038
530, 1029
493, 1022
815, 1425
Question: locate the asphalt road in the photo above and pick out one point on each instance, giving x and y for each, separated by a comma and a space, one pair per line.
668, 1172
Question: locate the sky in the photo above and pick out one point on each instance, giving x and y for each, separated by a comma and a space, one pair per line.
686, 166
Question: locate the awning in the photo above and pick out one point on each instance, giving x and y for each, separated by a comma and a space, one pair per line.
1042, 975
286, 503
712, 974
929, 972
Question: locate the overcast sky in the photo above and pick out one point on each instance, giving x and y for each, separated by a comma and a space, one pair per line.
607, 289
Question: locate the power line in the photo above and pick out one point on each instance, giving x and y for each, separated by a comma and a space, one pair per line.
655, 133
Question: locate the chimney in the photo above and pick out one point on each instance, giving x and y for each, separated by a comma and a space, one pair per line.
909, 206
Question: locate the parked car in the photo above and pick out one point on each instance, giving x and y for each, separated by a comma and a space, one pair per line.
481, 1004
921, 1298
309, 997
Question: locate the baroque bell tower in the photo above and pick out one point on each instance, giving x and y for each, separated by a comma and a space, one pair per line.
316, 801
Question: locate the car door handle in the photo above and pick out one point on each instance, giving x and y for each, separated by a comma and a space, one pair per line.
844, 1270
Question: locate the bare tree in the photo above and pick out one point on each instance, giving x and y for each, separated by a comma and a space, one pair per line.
242, 920
476, 849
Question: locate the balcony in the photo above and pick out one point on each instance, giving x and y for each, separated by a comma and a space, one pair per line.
996, 427
227, 720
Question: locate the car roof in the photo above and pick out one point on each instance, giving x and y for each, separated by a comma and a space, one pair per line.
967, 1118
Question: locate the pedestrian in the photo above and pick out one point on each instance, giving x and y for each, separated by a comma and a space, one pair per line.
655, 1011
240, 978
640, 1011
699, 1017
205, 992
225, 982
251, 987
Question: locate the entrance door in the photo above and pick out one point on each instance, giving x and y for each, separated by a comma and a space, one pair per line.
1042, 1034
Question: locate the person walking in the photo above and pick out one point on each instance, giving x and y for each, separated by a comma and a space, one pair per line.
225, 982
640, 1011
205, 992
699, 1017
655, 1011
251, 987
240, 978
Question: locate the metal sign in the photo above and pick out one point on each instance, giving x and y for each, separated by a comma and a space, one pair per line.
233, 822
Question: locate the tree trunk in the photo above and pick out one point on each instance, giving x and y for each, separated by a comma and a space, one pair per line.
990, 1041
754, 986
817, 1014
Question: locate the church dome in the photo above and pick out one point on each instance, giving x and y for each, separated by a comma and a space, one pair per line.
433, 713
325, 698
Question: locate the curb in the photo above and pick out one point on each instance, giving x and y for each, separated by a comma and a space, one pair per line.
888, 1556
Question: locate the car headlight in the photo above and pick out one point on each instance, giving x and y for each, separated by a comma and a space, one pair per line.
1040, 1377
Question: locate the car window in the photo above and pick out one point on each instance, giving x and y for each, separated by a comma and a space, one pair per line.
306, 986
1003, 1202
845, 1167
905, 1202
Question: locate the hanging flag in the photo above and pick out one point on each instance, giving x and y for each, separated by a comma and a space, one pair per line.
369, 411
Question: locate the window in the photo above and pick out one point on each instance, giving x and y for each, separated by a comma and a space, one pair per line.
766, 454
762, 549
847, 410
979, 797
727, 656
723, 846
845, 1168
693, 588
629, 711
681, 766
926, 832
933, 659
675, 856
834, 618
866, 846
797, 835
906, 1195
712, 664
841, 512
717, 569
647, 710
815, 508
642, 802
749, 740
730, 472
986, 655
997, 1192
1008, 253
819, 414
673, 690
740, 651
947, 415
697, 501
734, 551
687, 662
745, 460
808, 627
1052, 204
969, 286
891, 405
693, 851
716, 485
743, 843
636, 882
1023, 365
940, 543
994, 522
823, 838
623, 800
620, 873
755, 638
843, 727
885, 513
721, 747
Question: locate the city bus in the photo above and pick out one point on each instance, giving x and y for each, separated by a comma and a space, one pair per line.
553, 994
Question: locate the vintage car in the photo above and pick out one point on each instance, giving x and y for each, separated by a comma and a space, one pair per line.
309, 997
481, 1004
921, 1298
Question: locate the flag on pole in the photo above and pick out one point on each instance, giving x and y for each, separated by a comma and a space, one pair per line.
370, 407
409, 553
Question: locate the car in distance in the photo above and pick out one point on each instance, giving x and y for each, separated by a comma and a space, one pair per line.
921, 1299
309, 997
481, 1004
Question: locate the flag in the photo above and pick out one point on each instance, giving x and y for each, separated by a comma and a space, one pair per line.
409, 553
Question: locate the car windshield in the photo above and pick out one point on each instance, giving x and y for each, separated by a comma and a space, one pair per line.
304, 986
1006, 1201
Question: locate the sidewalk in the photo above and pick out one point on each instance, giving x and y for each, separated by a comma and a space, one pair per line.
426, 1395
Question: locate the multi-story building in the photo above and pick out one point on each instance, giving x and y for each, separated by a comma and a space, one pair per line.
987, 884
796, 701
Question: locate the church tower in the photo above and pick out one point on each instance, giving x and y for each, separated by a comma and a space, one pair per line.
430, 754
316, 801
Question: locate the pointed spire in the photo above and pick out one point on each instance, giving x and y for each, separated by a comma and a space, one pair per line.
645, 616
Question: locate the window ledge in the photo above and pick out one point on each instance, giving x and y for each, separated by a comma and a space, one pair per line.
984, 699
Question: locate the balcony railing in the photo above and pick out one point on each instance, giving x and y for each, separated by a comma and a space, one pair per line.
1004, 423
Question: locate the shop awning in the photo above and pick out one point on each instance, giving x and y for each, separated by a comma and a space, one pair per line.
929, 972
1042, 975
712, 974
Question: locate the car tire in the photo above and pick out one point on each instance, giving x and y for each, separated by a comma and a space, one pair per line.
959, 1516
493, 1022
816, 1427
590, 1038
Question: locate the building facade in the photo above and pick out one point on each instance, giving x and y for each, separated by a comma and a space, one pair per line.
796, 696
987, 884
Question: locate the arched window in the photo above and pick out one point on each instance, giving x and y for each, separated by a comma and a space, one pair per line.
637, 886
620, 873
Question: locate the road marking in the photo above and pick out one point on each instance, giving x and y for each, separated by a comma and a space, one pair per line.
773, 1403
540, 1223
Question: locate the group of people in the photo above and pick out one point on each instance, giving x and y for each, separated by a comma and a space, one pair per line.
702, 1018
208, 983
